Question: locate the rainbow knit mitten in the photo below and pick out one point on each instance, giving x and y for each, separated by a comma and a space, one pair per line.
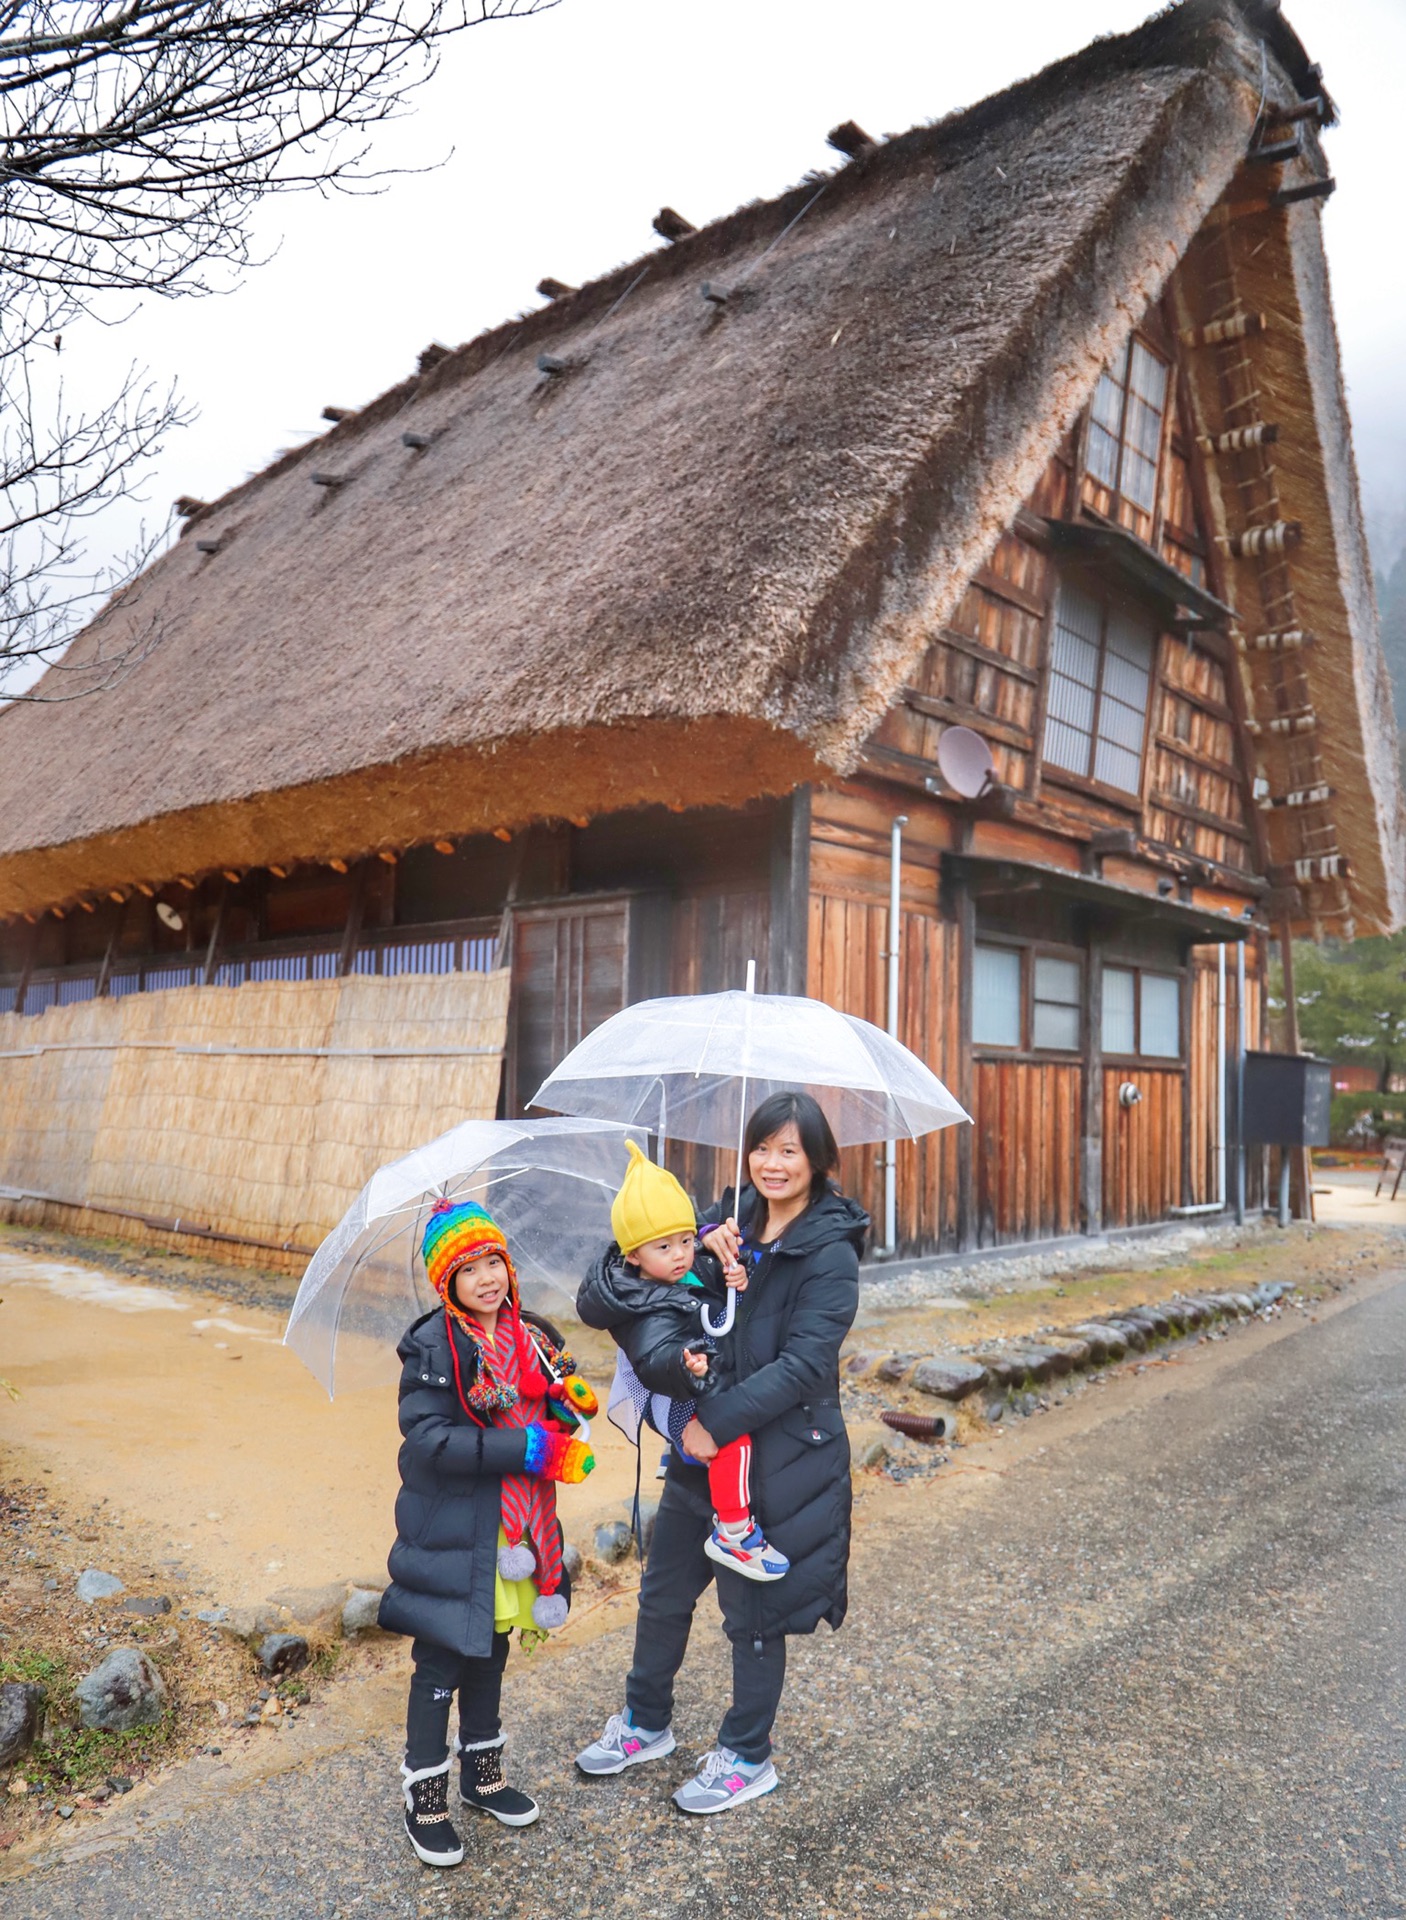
575, 1393
556, 1456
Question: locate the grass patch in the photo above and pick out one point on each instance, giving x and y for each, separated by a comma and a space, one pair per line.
42, 1669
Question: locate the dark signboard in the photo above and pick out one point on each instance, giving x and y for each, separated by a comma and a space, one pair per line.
1287, 1098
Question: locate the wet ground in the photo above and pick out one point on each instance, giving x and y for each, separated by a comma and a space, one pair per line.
1141, 1656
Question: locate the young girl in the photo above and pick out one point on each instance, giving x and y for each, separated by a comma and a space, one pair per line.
478, 1548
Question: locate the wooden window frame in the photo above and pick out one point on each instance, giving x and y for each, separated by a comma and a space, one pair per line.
1129, 798
1030, 951
1114, 488
1170, 1062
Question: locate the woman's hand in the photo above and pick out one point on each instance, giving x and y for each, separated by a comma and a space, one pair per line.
697, 1442
697, 1363
725, 1241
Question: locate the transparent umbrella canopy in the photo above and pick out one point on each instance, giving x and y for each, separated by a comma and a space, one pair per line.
548, 1183
692, 1067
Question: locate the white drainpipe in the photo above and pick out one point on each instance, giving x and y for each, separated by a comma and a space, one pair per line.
895, 941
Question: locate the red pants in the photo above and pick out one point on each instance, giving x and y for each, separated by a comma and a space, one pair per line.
729, 1481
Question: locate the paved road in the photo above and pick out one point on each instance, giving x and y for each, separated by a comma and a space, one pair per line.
1156, 1666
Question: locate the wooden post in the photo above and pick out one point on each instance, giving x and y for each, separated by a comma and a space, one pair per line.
31, 947
966, 956
1091, 1152
789, 933
105, 970
217, 934
356, 913
1188, 992
1303, 1158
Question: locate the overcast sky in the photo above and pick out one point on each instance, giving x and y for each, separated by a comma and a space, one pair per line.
562, 134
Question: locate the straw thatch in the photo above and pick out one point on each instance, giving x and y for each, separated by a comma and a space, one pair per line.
701, 557
99, 1109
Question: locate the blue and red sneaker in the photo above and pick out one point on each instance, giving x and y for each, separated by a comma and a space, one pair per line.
746, 1550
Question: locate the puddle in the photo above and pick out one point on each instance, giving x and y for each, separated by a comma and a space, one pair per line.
88, 1288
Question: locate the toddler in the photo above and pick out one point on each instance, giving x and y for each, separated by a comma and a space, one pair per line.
646, 1291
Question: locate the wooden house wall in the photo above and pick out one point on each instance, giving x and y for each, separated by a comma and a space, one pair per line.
846, 945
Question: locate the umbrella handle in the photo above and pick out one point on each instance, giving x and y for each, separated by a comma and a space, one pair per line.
729, 1315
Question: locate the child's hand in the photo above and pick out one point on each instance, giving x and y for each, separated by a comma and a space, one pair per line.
736, 1276
556, 1456
573, 1391
724, 1241
697, 1363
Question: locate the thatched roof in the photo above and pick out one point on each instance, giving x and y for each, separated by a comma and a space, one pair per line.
700, 560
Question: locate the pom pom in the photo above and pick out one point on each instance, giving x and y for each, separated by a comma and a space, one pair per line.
549, 1611
517, 1563
579, 1393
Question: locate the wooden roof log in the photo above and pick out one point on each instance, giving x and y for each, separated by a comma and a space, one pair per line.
1310, 190
555, 289
672, 226
850, 139
337, 414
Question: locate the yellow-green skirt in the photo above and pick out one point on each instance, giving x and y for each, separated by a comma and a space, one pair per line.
512, 1599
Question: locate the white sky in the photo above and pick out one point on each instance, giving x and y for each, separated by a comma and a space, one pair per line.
567, 131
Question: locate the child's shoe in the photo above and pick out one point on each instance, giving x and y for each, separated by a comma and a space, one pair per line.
724, 1781
623, 1745
427, 1823
746, 1550
482, 1786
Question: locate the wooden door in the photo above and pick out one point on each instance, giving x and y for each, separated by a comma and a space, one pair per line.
1142, 1145
570, 972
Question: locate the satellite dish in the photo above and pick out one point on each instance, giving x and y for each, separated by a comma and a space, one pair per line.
966, 762
168, 917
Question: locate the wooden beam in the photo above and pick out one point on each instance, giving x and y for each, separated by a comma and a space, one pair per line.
964, 713
1002, 589
988, 656
217, 931
789, 933
31, 947
1168, 803
356, 913
105, 970
1091, 1094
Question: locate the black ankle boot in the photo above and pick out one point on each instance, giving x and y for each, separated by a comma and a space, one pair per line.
482, 1786
427, 1823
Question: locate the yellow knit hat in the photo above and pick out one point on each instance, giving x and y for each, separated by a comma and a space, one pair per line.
650, 1204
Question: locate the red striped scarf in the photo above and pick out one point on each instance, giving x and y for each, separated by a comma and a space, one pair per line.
529, 1502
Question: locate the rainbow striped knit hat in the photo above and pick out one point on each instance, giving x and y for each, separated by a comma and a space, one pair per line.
457, 1233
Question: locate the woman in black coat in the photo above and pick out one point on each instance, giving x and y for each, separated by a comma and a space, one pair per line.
778, 1379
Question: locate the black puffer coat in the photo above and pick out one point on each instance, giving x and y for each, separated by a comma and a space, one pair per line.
785, 1356
650, 1322
450, 1500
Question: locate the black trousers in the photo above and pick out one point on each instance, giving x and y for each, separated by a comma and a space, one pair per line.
438, 1676
677, 1573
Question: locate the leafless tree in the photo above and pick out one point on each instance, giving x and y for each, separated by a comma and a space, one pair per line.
136, 136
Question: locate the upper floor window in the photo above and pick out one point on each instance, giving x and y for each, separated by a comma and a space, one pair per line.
1125, 425
1100, 675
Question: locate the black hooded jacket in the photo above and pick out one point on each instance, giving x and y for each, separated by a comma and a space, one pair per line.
652, 1322
450, 1500
785, 1361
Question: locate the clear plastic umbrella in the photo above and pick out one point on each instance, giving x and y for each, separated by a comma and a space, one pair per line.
692, 1068
548, 1183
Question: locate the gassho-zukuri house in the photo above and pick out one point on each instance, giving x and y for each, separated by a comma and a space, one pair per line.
601, 655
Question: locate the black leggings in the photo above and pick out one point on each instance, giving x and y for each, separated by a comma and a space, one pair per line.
440, 1674
676, 1575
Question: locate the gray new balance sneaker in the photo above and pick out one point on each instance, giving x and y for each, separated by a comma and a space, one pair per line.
724, 1781
623, 1745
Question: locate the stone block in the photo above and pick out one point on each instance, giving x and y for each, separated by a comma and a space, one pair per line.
123, 1691
21, 1714
360, 1611
949, 1376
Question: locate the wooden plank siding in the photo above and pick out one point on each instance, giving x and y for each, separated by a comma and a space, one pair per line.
848, 939
1028, 1123
1142, 1145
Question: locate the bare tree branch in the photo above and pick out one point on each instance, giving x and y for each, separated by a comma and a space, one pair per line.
136, 137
